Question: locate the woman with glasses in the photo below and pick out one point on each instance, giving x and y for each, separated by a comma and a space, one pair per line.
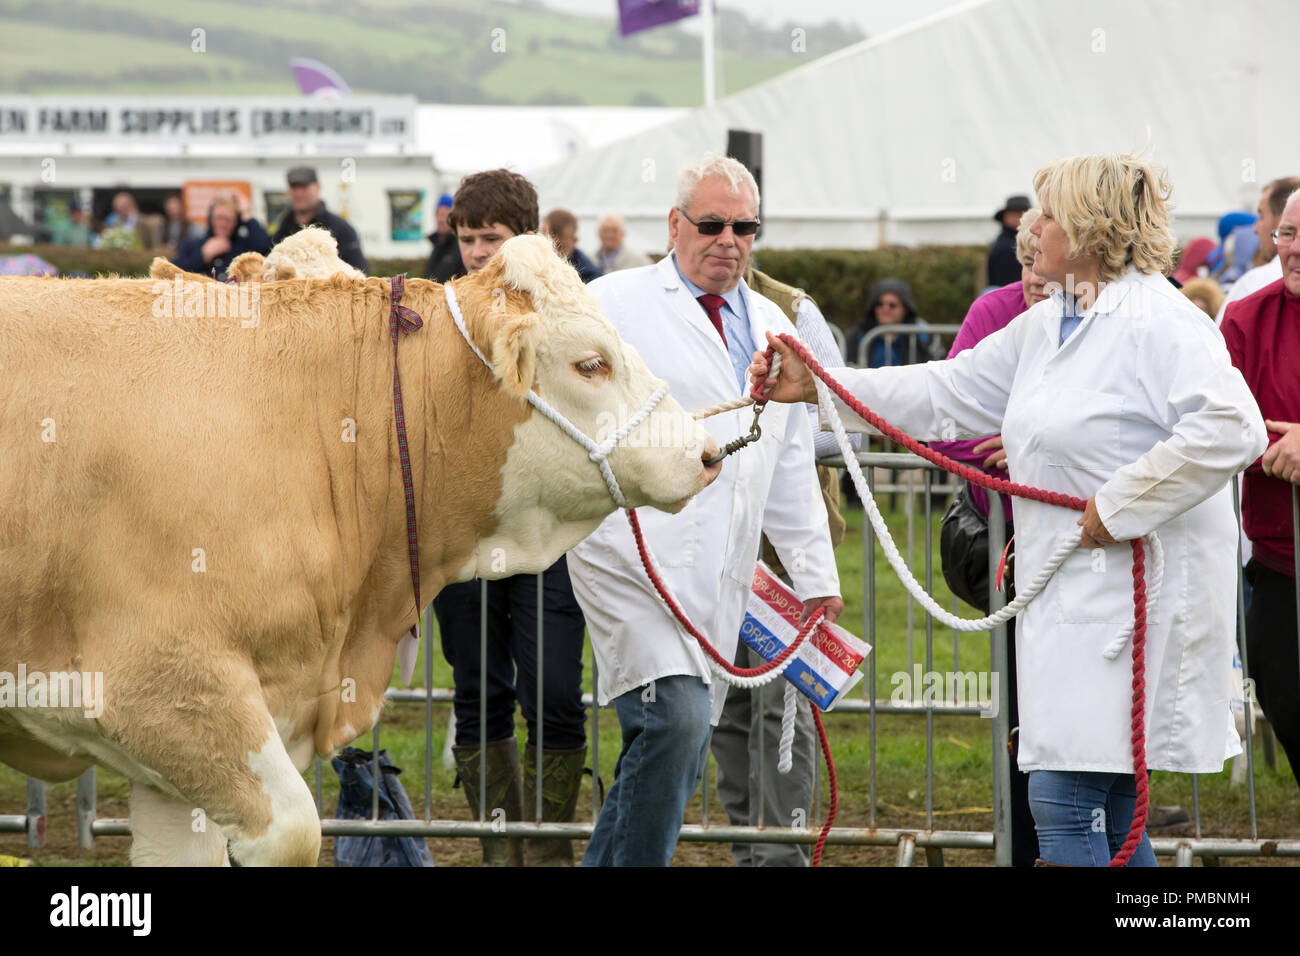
1117, 390
891, 304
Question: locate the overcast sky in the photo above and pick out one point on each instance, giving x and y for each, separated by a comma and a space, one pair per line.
872, 16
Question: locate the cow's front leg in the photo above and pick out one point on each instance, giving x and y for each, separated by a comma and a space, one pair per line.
170, 832
194, 724
290, 836
257, 800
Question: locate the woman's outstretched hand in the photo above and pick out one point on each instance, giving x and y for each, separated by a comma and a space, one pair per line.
795, 383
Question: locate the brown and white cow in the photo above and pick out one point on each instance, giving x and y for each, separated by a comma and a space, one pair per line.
207, 510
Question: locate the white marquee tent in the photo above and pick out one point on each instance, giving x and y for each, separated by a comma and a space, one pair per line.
466, 139
919, 134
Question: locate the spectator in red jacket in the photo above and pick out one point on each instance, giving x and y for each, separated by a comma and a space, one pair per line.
1263, 336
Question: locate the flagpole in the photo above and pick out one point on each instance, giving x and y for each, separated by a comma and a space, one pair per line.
706, 18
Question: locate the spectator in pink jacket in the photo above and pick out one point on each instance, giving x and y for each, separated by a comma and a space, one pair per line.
988, 314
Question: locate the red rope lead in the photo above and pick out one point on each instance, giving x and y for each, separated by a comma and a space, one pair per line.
708, 648
1138, 714
834, 789
929, 454
732, 669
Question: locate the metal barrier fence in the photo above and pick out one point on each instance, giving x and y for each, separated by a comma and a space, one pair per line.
914, 333
905, 840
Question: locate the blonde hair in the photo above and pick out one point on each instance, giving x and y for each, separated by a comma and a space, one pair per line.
714, 164
1113, 206
1026, 241
229, 201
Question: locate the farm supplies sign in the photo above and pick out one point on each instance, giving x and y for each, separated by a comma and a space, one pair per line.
356, 120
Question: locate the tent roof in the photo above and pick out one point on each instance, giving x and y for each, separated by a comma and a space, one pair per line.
465, 139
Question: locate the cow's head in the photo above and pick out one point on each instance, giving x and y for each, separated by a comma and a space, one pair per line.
541, 329
310, 253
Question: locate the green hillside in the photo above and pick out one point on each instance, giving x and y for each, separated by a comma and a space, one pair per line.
449, 51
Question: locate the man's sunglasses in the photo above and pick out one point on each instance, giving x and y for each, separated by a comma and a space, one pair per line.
714, 227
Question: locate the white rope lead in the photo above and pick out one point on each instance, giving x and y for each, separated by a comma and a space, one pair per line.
1068, 544
785, 751
735, 403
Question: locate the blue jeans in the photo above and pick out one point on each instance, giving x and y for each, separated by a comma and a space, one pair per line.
665, 744
1083, 818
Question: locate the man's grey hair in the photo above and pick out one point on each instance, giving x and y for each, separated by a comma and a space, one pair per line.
714, 164
615, 218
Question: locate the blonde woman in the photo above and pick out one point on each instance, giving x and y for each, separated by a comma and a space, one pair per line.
231, 232
1117, 390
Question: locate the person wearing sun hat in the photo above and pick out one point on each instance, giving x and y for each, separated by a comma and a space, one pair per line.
1003, 265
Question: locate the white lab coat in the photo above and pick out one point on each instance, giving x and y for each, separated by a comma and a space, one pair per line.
706, 554
1142, 408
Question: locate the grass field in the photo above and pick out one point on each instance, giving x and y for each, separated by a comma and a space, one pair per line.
962, 747
445, 51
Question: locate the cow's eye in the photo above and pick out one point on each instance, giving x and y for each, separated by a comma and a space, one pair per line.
592, 366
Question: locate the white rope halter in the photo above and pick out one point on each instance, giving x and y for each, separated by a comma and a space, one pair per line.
599, 453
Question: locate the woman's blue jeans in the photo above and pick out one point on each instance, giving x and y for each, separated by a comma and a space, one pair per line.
1083, 818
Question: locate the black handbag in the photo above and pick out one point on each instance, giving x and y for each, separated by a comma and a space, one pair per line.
964, 550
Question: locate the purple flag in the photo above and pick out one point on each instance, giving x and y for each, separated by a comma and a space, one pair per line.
634, 15
317, 79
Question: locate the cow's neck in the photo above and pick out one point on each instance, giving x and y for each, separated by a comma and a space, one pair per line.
460, 426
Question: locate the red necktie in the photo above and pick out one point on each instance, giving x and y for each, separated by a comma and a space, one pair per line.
713, 306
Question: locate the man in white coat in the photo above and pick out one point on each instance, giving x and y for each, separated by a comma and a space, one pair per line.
695, 323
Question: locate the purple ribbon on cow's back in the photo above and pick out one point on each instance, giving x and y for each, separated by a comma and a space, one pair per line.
400, 317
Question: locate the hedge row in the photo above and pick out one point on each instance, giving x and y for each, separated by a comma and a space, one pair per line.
944, 279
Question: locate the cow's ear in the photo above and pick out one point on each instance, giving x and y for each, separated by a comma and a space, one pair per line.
280, 270
514, 351
246, 267
162, 269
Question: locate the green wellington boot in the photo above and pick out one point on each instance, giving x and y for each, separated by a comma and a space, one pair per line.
504, 792
561, 780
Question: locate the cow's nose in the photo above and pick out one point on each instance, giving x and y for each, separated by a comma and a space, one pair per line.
711, 471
